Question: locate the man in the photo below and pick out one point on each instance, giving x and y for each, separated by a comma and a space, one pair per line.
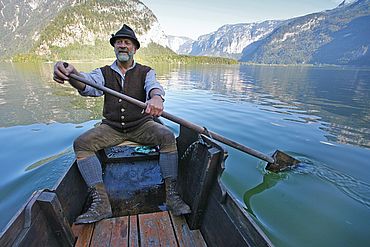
123, 121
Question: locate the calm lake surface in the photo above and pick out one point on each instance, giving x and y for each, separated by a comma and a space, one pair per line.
319, 115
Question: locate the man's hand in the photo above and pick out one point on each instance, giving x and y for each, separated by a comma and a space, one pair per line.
154, 106
61, 73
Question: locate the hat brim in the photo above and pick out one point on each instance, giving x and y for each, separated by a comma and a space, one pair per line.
113, 39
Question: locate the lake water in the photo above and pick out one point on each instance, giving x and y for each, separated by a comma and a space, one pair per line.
320, 115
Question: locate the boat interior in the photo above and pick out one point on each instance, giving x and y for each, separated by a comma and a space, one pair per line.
137, 195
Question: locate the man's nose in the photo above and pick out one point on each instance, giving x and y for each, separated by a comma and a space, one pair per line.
121, 44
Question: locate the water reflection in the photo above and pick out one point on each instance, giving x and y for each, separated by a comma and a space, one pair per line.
30, 96
67, 152
269, 180
352, 187
305, 94
303, 110
33, 157
336, 96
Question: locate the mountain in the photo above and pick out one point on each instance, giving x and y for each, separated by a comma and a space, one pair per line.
72, 28
180, 45
346, 2
80, 29
230, 40
21, 22
337, 36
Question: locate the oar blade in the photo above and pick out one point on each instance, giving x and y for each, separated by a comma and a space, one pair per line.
283, 162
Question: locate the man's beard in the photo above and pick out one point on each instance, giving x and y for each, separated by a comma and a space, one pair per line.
124, 57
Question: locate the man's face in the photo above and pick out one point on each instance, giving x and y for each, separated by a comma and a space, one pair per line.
124, 49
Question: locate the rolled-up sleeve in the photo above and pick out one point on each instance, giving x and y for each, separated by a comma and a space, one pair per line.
95, 76
151, 83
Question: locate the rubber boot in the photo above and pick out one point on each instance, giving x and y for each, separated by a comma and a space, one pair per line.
100, 207
173, 200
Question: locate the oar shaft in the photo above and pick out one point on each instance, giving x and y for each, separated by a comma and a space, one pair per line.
241, 147
218, 137
180, 121
109, 91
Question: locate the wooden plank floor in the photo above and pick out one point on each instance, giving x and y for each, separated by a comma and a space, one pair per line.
154, 229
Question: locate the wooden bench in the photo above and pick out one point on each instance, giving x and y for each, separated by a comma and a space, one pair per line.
153, 229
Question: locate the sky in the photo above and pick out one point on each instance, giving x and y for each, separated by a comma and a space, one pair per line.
192, 18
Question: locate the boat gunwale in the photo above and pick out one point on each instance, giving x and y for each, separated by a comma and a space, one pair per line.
61, 183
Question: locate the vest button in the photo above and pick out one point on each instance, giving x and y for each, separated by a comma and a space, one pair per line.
120, 100
123, 124
122, 110
122, 117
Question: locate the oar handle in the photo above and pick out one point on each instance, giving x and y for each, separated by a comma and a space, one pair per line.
178, 120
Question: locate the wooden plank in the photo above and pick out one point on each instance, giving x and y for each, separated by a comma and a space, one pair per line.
125, 152
156, 230
31, 213
198, 171
218, 229
200, 198
186, 237
53, 211
120, 233
16, 225
198, 238
102, 233
12, 229
38, 234
134, 232
83, 233
72, 193
227, 224
135, 187
245, 223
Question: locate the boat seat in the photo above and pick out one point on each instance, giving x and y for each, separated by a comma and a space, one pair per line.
130, 144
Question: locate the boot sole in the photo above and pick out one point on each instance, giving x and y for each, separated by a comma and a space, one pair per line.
89, 221
180, 212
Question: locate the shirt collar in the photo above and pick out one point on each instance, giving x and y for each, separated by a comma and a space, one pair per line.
115, 67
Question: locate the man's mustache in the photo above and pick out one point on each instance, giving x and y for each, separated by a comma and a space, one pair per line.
122, 50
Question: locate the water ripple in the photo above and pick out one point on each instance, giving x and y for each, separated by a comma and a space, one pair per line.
350, 186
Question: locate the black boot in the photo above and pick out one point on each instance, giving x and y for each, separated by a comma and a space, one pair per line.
173, 199
100, 206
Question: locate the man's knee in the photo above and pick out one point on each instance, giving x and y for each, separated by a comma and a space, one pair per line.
78, 143
168, 141
168, 137
159, 133
82, 147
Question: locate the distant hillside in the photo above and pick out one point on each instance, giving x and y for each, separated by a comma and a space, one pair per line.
180, 45
22, 21
75, 29
80, 29
230, 40
338, 36
349, 45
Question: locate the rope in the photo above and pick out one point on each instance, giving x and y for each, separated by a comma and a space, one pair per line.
207, 133
192, 147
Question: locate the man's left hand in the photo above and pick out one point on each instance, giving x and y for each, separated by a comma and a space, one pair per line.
154, 106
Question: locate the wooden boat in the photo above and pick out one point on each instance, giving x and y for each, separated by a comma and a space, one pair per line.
137, 195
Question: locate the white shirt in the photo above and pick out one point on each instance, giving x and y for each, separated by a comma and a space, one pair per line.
96, 76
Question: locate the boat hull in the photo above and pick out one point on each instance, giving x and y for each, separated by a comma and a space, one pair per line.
135, 186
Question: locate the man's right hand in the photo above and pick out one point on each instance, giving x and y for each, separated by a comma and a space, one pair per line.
61, 73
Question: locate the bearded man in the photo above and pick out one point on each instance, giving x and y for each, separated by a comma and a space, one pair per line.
122, 121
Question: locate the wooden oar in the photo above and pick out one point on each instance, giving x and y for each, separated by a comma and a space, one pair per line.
279, 161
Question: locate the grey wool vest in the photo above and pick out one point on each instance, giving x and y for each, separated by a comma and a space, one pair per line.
118, 113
